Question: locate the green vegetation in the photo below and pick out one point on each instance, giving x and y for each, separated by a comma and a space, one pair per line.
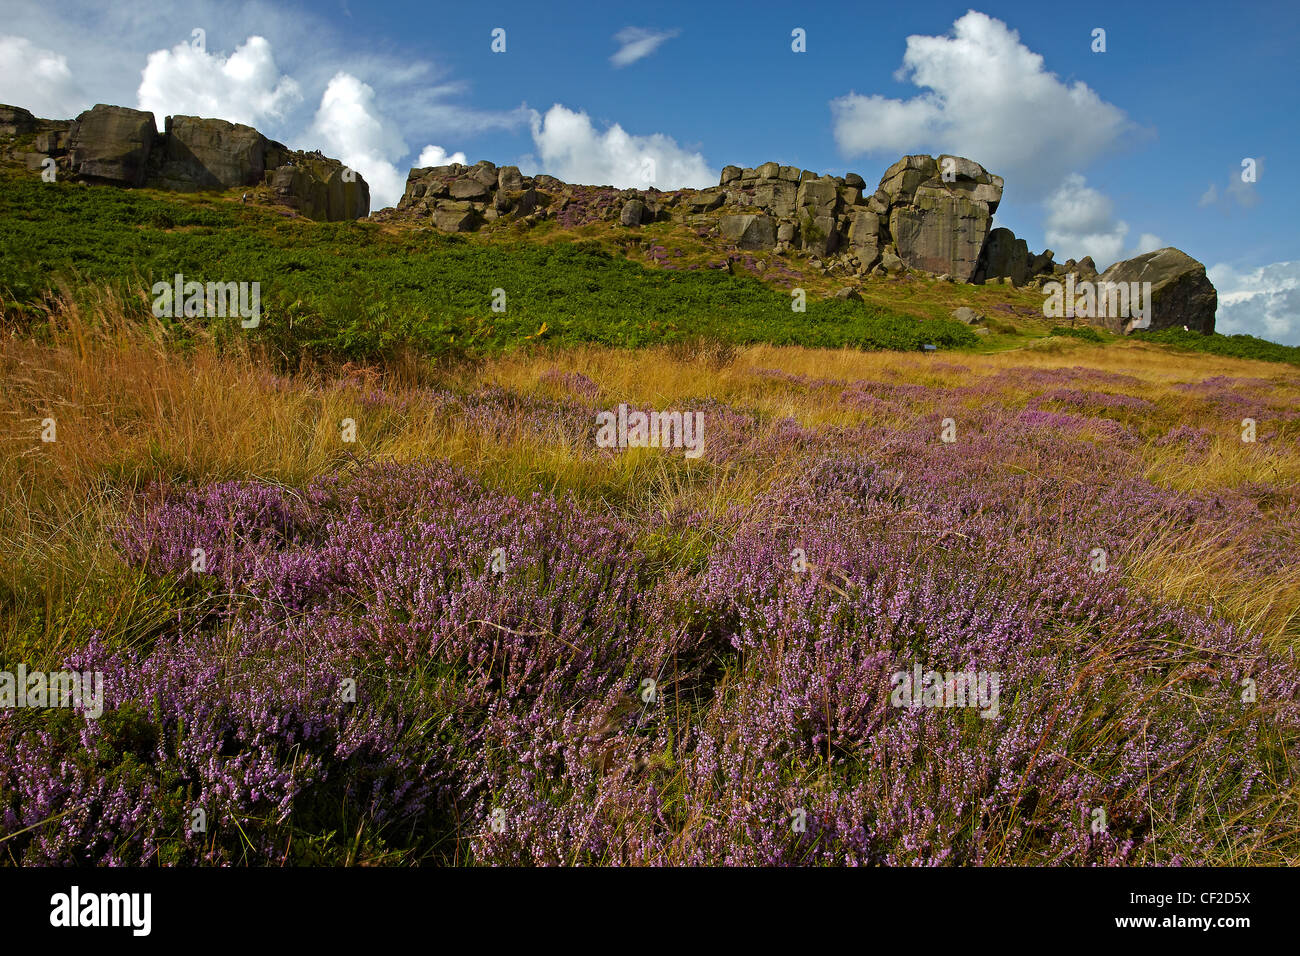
1085, 332
1235, 346
363, 291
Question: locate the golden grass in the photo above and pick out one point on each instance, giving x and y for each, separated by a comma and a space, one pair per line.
130, 408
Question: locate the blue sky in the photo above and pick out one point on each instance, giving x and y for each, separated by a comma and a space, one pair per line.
1104, 153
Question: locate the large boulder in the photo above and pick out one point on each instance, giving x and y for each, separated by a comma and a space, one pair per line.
776, 197
817, 197
633, 213
208, 154
15, 121
865, 237
452, 216
749, 232
1005, 256
1181, 293
509, 179
940, 211
469, 187
321, 188
111, 144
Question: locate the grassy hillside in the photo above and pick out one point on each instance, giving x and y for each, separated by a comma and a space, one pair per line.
363, 291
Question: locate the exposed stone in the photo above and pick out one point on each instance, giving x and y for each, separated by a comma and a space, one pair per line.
706, 200
820, 235
15, 121
321, 188
1004, 255
890, 262
940, 225
110, 144
847, 294
819, 196
777, 197
634, 212
208, 154
749, 232
767, 171
967, 315
854, 180
1181, 294
485, 174
526, 204
1042, 263
52, 142
509, 179
468, 187
729, 174
450, 216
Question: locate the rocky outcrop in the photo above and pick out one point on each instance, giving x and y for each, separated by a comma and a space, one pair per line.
111, 145
209, 154
117, 146
749, 232
1181, 293
1005, 256
460, 198
15, 121
940, 212
319, 187
928, 214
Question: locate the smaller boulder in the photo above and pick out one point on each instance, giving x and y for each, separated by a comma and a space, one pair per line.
633, 214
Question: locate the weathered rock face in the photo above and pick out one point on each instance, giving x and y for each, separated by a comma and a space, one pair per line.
940, 212
928, 214
749, 232
633, 213
208, 154
111, 145
1005, 256
320, 188
1181, 294
15, 121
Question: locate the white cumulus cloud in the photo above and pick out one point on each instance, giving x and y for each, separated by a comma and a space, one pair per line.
635, 43
1081, 221
1263, 301
571, 149
350, 127
244, 87
987, 96
38, 80
1147, 242
437, 156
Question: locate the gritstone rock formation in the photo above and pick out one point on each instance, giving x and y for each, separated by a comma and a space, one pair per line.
1181, 294
117, 146
930, 215
927, 214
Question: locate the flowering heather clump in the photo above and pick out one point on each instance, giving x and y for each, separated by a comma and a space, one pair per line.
1195, 439
573, 381
1101, 401
402, 652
